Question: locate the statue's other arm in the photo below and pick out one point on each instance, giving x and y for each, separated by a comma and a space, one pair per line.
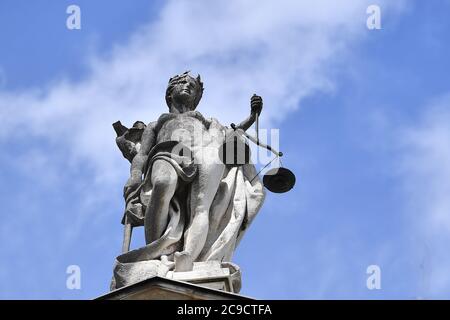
256, 104
137, 165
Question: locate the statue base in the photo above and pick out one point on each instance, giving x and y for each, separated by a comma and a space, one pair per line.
216, 275
158, 288
209, 274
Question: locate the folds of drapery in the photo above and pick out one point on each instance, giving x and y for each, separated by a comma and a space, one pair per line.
237, 200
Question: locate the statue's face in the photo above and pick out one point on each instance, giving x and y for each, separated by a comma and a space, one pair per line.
185, 91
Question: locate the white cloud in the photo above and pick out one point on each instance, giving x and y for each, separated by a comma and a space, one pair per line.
281, 51
284, 51
425, 168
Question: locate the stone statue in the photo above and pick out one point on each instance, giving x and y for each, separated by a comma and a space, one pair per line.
193, 207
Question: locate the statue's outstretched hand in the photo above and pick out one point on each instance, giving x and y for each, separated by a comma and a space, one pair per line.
256, 104
132, 184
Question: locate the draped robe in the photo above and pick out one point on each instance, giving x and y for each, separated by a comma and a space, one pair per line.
237, 200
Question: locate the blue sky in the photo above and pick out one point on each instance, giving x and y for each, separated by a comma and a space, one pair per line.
364, 118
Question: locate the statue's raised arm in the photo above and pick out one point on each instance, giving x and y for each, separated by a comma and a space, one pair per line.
256, 104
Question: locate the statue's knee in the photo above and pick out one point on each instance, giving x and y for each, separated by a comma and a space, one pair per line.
164, 182
201, 215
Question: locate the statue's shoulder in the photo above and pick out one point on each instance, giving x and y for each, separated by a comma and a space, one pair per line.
198, 115
151, 126
215, 124
148, 132
213, 120
163, 118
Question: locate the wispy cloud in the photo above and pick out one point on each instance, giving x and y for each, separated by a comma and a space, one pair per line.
281, 52
425, 168
284, 51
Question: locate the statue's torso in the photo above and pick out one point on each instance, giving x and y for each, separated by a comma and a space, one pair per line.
188, 128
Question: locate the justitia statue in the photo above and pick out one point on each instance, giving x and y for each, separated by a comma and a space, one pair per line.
194, 207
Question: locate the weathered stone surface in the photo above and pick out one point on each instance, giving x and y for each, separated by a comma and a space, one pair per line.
211, 274
194, 208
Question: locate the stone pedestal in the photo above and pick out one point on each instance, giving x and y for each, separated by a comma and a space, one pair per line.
225, 276
207, 274
158, 288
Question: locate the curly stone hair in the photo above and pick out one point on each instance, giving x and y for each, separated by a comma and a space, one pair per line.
177, 79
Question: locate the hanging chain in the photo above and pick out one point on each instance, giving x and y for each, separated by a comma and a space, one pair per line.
264, 168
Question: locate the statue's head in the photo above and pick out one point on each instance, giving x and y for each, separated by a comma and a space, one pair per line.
184, 90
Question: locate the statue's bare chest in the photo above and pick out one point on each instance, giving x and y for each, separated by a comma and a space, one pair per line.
186, 127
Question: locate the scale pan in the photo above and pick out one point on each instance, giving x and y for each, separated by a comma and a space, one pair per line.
279, 180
